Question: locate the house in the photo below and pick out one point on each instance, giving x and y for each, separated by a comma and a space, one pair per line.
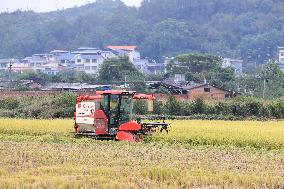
281, 57
39, 62
148, 66
20, 67
141, 65
156, 68
14, 64
51, 68
41, 59
207, 91
237, 64
94, 51
107, 54
64, 58
88, 63
176, 80
89, 59
130, 51
6, 63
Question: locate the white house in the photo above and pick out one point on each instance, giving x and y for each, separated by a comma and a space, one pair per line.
14, 64
88, 63
281, 57
144, 65
89, 59
130, 51
148, 66
107, 54
237, 64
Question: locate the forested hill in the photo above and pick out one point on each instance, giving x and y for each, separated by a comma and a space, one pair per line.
250, 29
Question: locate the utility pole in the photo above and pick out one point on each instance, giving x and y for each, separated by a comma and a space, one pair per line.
264, 88
10, 79
125, 80
264, 82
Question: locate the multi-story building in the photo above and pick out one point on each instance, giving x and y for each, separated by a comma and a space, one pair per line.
89, 59
237, 64
281, 57
130, 51
46, 63
89, 63
144, 65
63, 57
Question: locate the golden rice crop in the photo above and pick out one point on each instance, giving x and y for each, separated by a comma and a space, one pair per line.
256, 134
123, 165
251, 134
43, 154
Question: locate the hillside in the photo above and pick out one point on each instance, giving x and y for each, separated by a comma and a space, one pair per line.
248, 29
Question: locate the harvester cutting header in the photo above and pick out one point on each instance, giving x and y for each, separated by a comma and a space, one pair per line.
108, 115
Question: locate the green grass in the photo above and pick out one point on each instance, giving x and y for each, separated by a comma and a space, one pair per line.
195, 154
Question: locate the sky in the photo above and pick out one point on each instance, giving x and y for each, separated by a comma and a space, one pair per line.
49, 5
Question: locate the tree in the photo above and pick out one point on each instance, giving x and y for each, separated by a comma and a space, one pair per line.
118, 70
268, 82
83, 77
273, 80
38, 77
250, 29
168, 37
203, 67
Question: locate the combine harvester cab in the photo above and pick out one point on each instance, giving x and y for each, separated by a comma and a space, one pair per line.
108, 115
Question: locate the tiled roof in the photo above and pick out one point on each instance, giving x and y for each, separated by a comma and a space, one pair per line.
66, 56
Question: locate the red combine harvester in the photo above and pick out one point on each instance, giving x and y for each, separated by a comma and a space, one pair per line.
108, 115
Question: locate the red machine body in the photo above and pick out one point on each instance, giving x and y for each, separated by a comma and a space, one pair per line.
108, 115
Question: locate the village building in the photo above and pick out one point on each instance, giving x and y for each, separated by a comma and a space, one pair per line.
156, 68
148, 66
63, 57
178, 86
87, 59
5, 63
237, 64
208, 92
281, 57
14, 64
130, 51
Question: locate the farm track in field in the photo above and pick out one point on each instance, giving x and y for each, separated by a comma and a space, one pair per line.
195, 154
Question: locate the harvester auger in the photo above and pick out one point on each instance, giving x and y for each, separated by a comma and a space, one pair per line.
108, 115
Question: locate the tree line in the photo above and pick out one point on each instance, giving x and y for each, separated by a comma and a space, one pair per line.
248, 29
63, 106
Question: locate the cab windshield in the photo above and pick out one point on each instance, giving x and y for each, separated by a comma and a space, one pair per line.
118, 108
125, 109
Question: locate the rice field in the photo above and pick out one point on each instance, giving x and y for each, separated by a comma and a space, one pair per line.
195, 154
